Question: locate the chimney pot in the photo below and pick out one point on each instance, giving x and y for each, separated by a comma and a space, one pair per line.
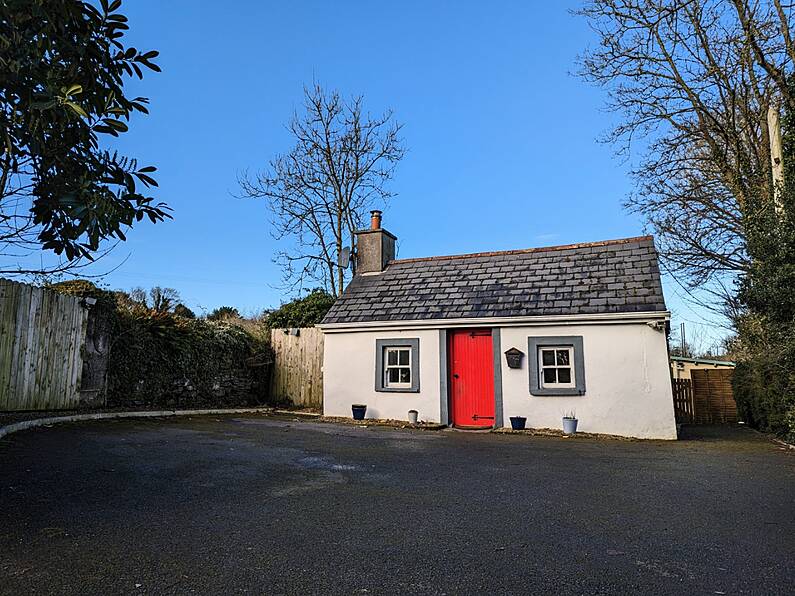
375, 219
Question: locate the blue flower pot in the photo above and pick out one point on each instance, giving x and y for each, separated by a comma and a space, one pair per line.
358, 411
569, 426
518, 422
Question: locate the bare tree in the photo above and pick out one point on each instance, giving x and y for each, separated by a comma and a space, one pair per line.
697, 81
157, 298
320, 191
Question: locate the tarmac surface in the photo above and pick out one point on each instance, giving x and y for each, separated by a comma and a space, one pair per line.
254, 504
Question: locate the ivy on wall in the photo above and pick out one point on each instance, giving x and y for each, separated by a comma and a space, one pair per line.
162, 359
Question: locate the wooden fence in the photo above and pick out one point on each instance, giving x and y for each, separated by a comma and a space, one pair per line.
298, 366
706, 398
41, 339
683, 400
713, 397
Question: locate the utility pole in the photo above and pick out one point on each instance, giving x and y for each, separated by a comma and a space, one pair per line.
682, 337
776, 154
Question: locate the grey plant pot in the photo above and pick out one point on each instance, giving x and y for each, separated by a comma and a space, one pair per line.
413, 415
569, 426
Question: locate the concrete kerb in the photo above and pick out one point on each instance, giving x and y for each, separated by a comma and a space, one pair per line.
37, 422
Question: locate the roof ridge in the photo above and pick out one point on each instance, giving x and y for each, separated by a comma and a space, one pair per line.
525, 250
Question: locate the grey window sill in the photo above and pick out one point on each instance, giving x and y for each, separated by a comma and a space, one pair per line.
557, 392
397, 390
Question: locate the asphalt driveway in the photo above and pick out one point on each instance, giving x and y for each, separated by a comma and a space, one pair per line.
250, 504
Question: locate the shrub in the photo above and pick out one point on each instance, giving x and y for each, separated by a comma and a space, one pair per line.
223, 313
302, 312
183, 311
84, 289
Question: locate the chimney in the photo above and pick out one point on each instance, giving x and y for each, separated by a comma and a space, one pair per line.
374, 247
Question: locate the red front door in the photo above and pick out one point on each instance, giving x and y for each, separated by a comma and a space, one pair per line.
471, 364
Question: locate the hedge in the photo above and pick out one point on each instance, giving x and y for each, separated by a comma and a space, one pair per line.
764, 379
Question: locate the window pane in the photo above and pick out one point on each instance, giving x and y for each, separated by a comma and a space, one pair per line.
549, 375
563, 358
393, 375
564, 375
404, 357
405, 375
547, 357
391, 356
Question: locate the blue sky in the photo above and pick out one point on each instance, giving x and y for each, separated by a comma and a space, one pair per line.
502, 139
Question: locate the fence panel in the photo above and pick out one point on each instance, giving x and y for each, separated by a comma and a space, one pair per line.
298, 366
41, 339
713, 397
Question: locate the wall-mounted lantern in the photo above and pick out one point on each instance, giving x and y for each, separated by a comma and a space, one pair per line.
514, 358
87, 302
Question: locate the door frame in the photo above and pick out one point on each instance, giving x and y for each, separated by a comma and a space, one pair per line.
445, 406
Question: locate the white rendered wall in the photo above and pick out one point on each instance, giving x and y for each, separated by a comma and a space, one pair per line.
627, 382
628, 390
349, 376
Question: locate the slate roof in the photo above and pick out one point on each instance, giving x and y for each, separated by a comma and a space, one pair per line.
614, 276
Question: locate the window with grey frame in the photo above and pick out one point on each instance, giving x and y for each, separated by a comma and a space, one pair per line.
556, 365
397, 365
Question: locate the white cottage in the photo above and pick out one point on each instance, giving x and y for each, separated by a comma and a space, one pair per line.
583, 325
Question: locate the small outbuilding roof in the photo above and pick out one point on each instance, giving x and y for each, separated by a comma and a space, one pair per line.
708, 361
614, 276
